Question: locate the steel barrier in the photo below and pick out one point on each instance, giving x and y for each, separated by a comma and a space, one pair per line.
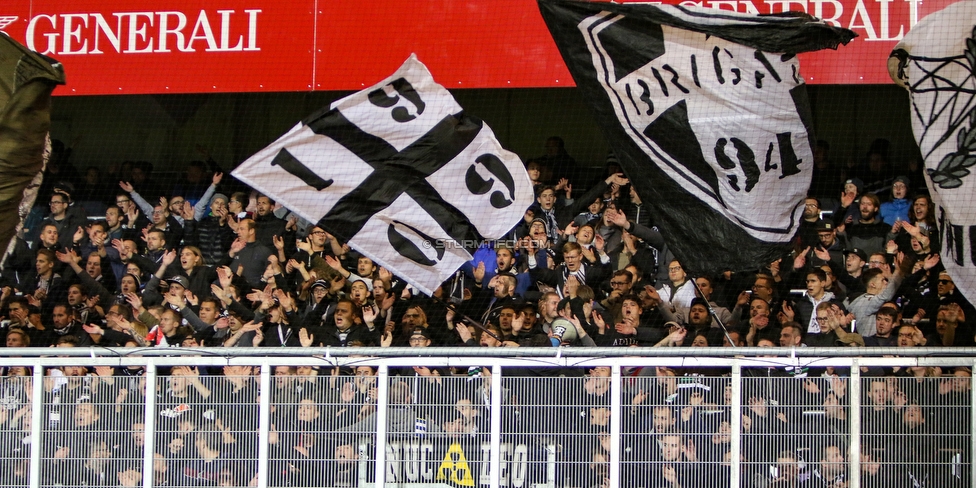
473, 417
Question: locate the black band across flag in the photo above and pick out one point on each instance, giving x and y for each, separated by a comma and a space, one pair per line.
707, 113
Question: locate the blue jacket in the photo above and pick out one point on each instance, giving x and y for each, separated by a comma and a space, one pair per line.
895, 210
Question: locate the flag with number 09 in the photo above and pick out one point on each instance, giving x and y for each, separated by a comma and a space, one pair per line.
401, 173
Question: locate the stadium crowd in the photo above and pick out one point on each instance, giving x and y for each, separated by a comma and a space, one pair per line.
211, 263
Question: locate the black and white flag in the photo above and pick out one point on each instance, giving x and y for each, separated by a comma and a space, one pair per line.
707, 112
936, 62
400, 173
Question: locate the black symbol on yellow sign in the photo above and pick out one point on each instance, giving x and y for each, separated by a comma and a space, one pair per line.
454, 469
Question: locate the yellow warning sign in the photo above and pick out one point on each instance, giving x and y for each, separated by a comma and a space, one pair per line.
454, 469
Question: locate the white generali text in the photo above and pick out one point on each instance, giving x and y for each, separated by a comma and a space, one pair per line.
871, 19
144, 32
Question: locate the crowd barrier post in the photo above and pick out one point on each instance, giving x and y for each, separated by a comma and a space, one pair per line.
616, 387
264, 424
382, 406
735, 424
972, 426
37, 399
149, 448
495, 468
854, 457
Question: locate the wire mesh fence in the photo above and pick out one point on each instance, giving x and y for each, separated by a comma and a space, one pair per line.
527, 423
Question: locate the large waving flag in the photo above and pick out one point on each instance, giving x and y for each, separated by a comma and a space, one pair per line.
27, 80
708, 114
401, 173
936, 62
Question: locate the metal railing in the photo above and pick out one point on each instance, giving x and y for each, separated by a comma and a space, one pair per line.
502, 417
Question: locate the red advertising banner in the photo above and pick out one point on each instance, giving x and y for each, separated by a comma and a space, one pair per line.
206, 46
170, 46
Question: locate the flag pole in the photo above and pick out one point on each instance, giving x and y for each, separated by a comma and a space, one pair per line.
466, 319
711, 312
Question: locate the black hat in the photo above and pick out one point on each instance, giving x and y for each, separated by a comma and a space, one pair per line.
322, 283
856, 182
180, 280
420, 331
859, 252
824, 226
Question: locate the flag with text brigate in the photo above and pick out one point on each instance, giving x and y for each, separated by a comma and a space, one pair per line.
401, 173
708, 115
